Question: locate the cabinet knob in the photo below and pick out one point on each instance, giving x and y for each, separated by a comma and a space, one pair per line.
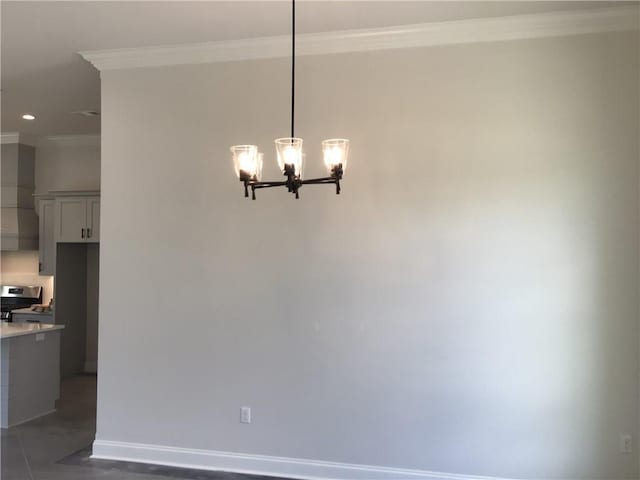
82, 234
88, 233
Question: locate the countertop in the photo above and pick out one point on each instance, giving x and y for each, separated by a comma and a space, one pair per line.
30, 312
16, 329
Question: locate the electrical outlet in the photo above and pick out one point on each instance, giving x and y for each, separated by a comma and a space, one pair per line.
245, 414
626, 444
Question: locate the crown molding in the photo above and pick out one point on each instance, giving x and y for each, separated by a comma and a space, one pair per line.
88, 140
17, 137
553, 24
62, 140
10, 137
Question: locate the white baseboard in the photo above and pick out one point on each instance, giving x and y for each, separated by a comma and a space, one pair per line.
260, 464
90, 367
15, 424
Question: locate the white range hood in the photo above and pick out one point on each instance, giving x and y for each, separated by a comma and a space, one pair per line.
19, 223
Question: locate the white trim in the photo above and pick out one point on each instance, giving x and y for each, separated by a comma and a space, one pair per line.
48, 412
72, 193
87, 140
66, 193
597, 20
16, 137
260, 464
10, 137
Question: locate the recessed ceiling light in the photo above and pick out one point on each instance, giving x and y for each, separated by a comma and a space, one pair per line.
28, 116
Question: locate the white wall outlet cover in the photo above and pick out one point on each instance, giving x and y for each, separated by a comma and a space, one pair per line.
245, 414
626, 444
39, 337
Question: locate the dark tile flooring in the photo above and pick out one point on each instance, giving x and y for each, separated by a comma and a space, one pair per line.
82, 458
57, 446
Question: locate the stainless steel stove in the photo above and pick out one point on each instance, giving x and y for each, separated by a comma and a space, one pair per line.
13, 297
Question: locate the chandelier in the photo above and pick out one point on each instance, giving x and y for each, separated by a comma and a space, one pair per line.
247, 159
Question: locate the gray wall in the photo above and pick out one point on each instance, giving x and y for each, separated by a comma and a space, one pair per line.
70, 163
93, 288
71, 306
469, 304
77, 288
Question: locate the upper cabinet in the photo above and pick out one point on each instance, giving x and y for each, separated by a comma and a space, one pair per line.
77, 219
93, 219
71, 219
66, 217
47, 250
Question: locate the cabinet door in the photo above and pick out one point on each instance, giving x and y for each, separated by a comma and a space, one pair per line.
93, 219
47, 251
71, 220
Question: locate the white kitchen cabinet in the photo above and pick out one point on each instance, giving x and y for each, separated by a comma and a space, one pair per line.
77, 219
93, 220
47, 247
71, 219
66, 217
30, 373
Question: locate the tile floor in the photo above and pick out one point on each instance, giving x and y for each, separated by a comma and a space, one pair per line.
57, 446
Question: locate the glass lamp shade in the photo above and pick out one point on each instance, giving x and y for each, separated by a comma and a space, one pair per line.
247, 161
259, 169
335, 152
289, 152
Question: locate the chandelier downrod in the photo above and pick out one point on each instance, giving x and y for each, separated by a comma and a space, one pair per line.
293, 64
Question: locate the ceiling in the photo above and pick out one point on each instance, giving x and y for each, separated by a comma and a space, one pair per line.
41, 72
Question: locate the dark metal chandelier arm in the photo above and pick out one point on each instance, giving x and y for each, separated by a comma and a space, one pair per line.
318, 181
310, 181
292, 185
268, 184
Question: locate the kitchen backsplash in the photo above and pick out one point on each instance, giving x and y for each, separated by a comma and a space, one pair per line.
21, 268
